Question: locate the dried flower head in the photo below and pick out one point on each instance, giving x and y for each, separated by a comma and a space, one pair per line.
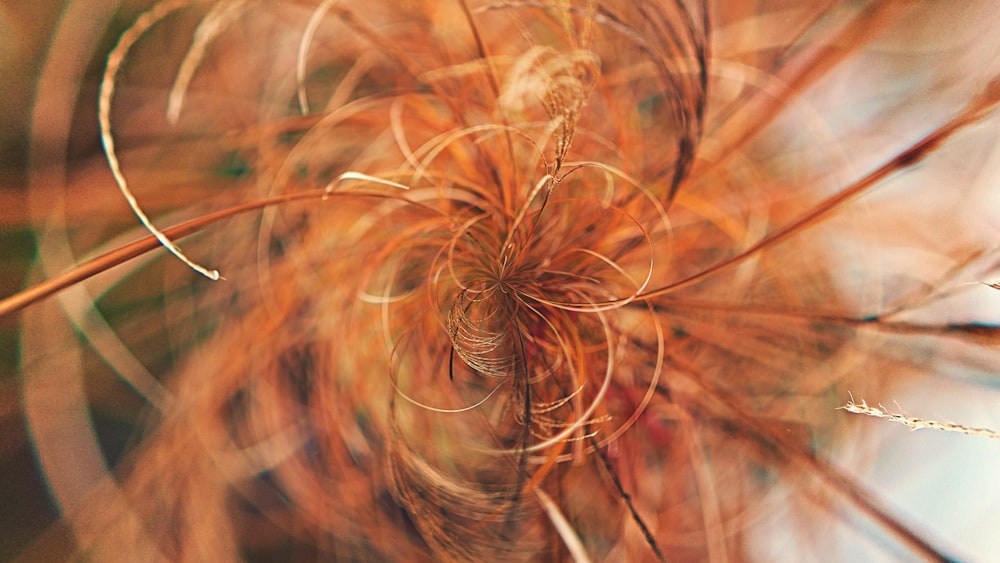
505, 280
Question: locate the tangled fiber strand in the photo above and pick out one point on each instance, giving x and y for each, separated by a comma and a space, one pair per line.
520, 280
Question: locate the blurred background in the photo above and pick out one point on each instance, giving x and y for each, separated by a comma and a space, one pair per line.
39, 138
946, 485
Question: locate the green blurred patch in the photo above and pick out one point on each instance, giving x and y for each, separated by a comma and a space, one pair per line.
233, 166
17, 251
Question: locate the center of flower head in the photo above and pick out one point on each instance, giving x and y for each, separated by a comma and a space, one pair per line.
530, 304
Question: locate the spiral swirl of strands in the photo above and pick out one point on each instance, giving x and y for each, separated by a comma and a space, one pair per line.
548, 279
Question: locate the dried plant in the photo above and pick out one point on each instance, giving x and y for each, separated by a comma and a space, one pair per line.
512, 280
913, 422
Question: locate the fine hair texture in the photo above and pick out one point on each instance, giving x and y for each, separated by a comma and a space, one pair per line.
516, 280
